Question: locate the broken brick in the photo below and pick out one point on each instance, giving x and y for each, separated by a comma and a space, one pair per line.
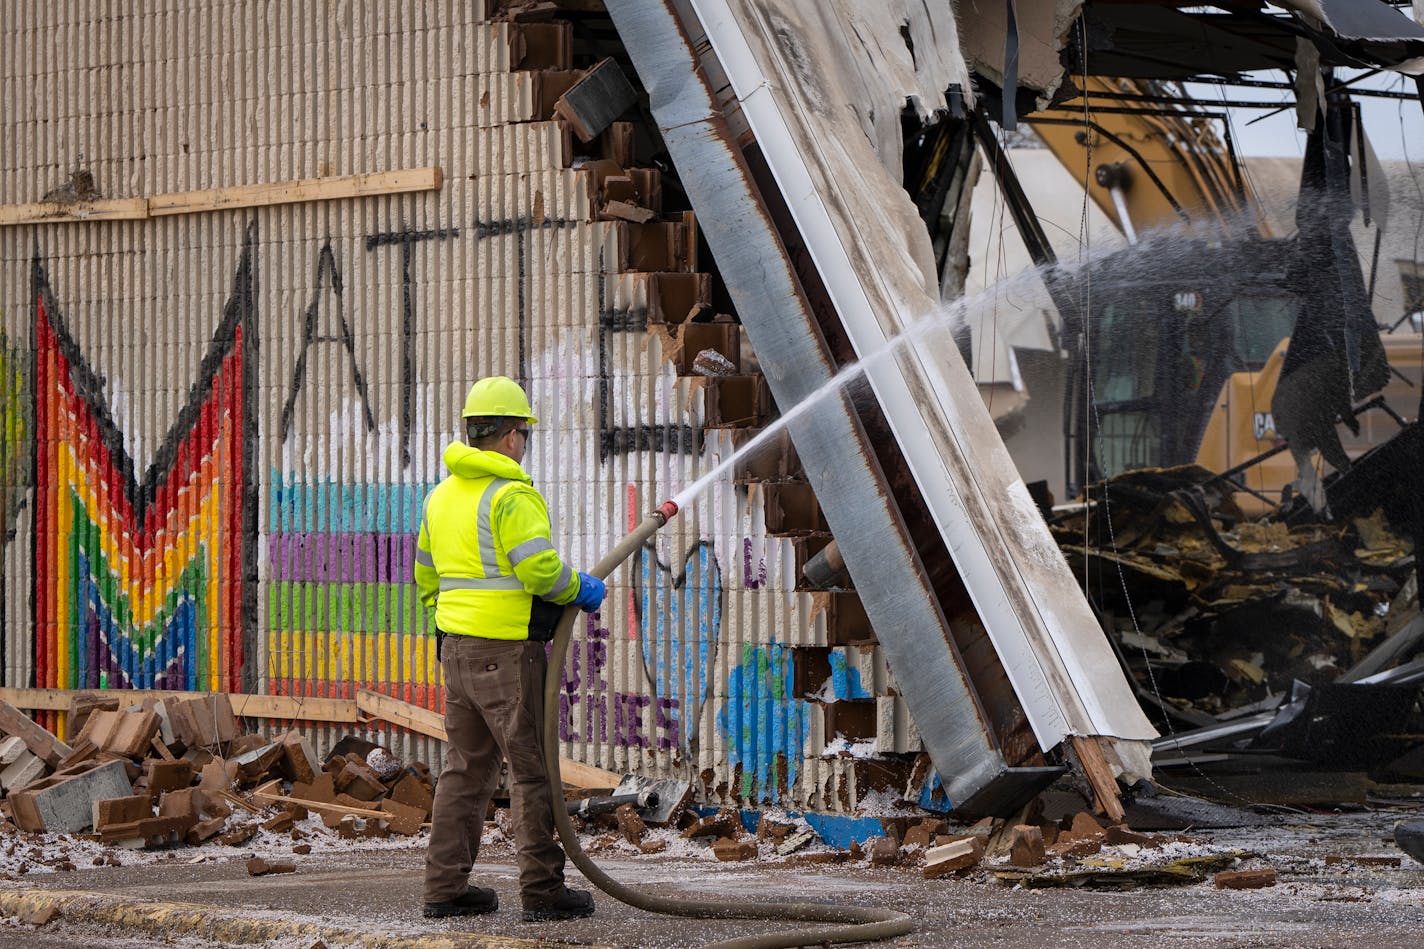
1026, 847
281, 822
167, 776
260, 866
768, 829
359, 781
239, 835
299, 762
884, 852
1084, 825
412, 791
630, 825
121, 810
321, 790
183, 801
124, 733
725, 823
1067, 846
205, 830
727, 849
403, 818
218, 775
922, 834
1119, 834
1245, 879
203, 721
953, 857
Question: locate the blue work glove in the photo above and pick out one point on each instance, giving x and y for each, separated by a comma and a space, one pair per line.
590, 594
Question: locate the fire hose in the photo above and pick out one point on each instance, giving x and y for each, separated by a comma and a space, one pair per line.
856, 923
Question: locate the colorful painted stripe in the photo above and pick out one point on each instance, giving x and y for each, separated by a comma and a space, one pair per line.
349, 607
336, 664
365, 557
333, 508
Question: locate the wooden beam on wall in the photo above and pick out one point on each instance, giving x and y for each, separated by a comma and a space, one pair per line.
53, 212
293, 192
221, 199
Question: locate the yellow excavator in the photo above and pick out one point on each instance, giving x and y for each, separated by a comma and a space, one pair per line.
1188, 329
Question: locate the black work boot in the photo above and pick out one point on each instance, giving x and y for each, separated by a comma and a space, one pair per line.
473, 902
569, 904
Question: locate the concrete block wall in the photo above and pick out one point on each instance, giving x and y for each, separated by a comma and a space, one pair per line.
219, 427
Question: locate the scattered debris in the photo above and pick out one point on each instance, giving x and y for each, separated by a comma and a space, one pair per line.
1119, 873
953, 857
258, 866
1245, 879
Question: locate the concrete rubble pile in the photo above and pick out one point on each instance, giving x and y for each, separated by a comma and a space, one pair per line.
183, 771
1290, 633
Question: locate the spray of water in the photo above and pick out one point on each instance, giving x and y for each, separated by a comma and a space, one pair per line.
1024, 289
980, 311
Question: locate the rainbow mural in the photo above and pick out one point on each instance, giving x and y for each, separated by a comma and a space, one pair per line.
144, 584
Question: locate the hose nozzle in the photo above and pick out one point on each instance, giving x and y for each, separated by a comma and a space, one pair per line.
666, 511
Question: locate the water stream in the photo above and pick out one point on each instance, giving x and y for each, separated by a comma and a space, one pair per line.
1021, 291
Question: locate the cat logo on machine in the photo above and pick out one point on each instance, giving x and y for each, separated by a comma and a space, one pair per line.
1263, 426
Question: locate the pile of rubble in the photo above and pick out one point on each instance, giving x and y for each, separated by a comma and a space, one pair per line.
182, 771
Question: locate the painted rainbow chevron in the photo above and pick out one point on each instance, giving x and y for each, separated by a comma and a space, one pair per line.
144, 584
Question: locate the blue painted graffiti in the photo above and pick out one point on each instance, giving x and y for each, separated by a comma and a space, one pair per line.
765, 728
845, 678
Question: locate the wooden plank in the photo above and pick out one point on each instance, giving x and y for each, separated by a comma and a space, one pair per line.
397, 712
291, 192
1099, 775
53, 212
579, 775
296, 707
320, 807
422, 720
41, 743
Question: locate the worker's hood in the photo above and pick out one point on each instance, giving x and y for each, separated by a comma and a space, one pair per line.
466, 462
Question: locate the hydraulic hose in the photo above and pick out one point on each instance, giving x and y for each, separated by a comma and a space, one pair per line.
857, 923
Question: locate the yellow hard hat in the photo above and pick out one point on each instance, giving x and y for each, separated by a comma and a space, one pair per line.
498, 397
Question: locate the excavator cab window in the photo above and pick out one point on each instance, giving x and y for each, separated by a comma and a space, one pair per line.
1259, 323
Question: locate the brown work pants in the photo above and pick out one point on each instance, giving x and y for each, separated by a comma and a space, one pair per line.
494, 707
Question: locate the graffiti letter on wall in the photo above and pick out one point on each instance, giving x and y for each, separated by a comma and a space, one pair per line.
313, 333
520, 228
144, 584
407, 241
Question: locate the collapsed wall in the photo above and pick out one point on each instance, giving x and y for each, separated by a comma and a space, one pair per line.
223, 410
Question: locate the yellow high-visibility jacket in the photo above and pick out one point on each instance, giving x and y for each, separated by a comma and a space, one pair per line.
485, 558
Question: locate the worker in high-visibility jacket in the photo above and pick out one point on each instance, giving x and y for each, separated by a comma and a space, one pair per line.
485, 560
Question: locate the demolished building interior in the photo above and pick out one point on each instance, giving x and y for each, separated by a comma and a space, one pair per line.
785, 187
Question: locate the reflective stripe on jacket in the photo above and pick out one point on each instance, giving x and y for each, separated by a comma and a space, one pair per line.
485, 558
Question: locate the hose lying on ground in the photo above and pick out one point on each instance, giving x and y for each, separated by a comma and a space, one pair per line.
857, 923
